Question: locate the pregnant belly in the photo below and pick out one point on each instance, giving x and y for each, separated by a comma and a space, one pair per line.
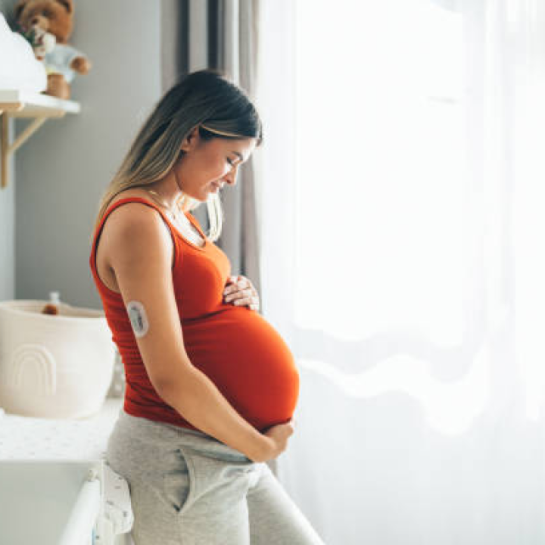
248, 361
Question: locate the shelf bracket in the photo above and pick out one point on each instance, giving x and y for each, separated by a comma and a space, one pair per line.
26, 134
7, 149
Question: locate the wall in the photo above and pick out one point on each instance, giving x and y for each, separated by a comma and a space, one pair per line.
7, 217
7, 239
65, 167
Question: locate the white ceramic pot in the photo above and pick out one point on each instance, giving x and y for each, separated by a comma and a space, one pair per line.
53, 366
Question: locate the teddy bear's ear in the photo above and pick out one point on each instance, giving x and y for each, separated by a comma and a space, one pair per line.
19, 7
68, 5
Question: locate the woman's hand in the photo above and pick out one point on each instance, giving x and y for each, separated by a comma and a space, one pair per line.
278, 438
240, 291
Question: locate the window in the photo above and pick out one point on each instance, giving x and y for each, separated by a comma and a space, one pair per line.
384, 196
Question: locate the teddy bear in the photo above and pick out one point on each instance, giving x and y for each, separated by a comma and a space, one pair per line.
41, 21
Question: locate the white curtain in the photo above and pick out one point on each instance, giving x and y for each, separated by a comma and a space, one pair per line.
403, 260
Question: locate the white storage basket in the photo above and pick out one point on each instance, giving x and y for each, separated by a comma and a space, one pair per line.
53, 366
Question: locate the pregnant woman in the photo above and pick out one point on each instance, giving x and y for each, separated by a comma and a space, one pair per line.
211, 387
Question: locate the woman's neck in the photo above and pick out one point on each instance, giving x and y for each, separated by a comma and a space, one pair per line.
168, 190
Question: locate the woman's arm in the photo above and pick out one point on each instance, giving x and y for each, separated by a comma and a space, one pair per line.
198, 400
140, 253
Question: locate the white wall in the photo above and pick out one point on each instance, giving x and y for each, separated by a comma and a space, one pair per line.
64, 168
7, 213
7, 238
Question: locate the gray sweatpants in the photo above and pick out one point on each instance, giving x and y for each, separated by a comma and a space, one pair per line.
188, 488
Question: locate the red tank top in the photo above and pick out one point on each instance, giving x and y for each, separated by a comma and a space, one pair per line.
234, 346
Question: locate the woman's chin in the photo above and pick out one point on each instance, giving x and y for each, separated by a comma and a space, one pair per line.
205, 194
201, 197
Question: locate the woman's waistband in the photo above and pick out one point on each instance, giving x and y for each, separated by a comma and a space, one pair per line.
160, 433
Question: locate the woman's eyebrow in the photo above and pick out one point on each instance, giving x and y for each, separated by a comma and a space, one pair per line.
238, 155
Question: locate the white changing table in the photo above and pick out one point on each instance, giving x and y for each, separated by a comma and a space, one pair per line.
55, 485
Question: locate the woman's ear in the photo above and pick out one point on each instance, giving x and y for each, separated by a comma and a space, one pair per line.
190, 141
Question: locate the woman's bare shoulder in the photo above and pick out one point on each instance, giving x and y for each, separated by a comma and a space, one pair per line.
131, 226
131, 217
125, 227
134, 192
133, 214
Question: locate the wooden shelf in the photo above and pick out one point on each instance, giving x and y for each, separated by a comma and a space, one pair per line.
22, 104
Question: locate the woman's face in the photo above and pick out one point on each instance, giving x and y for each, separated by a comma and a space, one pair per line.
206, 166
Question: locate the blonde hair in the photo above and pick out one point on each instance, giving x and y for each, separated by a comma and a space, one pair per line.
205, 99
